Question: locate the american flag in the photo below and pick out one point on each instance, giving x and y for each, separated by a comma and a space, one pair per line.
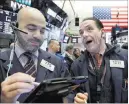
110, 16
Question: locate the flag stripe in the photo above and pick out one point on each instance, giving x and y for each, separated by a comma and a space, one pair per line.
120, 16
113, 24
110, 16
111, 27
119, 7
120, 13
120, 10
115, 20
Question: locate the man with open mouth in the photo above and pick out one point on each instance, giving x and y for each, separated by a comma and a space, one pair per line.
105, 65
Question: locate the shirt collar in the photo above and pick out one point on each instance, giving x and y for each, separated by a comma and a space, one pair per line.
69, 55
19, 51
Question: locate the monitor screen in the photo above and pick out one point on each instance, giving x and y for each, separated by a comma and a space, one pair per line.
66, 39
54, 15
74, 40
5, 18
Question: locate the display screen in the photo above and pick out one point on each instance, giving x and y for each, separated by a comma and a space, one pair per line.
5, 18
54, 15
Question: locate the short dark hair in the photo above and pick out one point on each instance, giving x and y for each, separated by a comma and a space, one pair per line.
75, 49
69, 47
97, 22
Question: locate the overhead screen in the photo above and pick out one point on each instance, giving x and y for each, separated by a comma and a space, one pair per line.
54, 15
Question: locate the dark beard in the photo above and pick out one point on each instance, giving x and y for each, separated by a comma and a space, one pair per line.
26, 45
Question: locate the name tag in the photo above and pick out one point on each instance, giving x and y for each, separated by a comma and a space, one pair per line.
117, 63
47, 65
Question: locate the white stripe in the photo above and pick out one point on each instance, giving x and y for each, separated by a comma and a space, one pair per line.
120, 16
33, 72
110, 24
30, 68
119, 13
28, 64
107, 27
119, 9
115, 20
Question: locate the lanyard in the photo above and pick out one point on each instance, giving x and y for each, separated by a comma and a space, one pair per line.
101, 72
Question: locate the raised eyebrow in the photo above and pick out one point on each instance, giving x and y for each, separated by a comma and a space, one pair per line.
87, 26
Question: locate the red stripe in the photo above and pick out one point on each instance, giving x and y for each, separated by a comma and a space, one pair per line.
119, 7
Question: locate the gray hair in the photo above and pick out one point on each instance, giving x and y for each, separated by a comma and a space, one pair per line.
69, 47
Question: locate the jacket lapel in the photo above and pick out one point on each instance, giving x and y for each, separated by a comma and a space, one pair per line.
42, 71
16, 65
84, 66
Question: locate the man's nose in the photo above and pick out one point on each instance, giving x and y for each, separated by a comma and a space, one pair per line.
37, 34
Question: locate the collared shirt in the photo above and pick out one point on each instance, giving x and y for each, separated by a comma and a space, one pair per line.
69, 55
97, 58
22, 58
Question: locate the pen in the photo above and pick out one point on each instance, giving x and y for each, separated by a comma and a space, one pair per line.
35, 83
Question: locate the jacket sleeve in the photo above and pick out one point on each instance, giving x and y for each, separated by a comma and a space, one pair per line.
74, 67
124, 96
65, 73
124, 54
63, 70
2, 75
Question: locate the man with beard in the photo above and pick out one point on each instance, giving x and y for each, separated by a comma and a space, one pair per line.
106, 66
28, 64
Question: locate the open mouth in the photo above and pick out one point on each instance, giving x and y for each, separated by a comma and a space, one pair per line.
89, 41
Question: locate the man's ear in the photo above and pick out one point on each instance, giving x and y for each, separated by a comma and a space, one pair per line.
102, 33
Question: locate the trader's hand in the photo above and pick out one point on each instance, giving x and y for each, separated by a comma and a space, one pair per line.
14, 86
81, 98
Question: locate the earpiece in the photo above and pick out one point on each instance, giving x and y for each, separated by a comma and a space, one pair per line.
17, 24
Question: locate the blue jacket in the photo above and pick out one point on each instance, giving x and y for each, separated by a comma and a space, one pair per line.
42, 73
113, 75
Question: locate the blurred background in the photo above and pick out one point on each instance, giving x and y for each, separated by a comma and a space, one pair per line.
63, 18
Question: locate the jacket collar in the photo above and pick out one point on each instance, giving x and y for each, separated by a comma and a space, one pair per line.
108, 51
